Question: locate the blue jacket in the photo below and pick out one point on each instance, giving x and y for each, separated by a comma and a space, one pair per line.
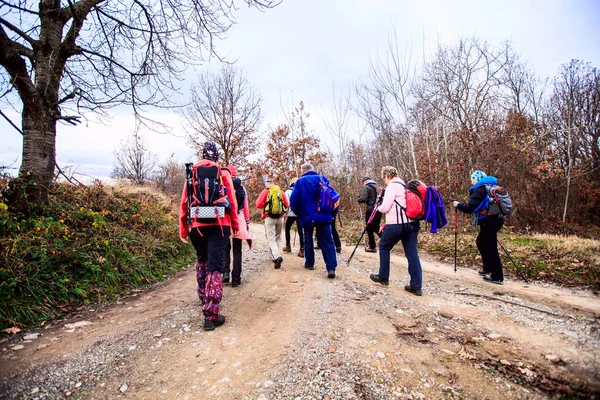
305, 199
478, 199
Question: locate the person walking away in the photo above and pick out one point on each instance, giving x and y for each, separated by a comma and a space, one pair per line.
209, 235
489, 226
305, 203
290, 219
235, 244
274, 203
398, 227
368, 197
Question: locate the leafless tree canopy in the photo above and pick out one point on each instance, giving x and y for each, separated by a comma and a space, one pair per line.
62, 57
225, 109
133, 161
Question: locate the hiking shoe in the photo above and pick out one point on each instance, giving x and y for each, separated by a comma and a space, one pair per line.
376, 278
235, 284
287, 249
416, 292
311, 267
490, 280
331, 274
210, 325
301, 253
483, 273
226, 277
371, 250
338, 249
278, 262
317, 247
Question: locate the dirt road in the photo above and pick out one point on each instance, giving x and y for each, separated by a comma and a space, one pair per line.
294, 334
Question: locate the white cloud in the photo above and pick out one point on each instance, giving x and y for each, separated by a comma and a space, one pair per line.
299, 49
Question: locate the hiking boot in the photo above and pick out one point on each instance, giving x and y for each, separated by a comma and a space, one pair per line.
483, 273
368, 250
226, 277
235, 284
338, 249
287, 249
210, 325
311, 267
331, 274
490, 280
317, 247
416, 292
278, 262
301, 253
376, 278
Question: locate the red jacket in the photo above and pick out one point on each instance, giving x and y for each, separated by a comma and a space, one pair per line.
262, 199
230, 216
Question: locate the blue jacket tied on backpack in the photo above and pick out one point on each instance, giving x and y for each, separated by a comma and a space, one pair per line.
305, 200
435, 211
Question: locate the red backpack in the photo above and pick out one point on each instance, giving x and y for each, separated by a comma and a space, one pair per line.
416, 194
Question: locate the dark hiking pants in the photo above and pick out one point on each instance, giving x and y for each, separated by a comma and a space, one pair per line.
210, 245
487, 243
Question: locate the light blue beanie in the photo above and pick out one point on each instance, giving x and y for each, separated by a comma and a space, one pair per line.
478, 175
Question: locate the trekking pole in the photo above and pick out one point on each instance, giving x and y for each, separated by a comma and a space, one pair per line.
362, 220
189, 189
509, 257
361, 236
355, 247
455, 236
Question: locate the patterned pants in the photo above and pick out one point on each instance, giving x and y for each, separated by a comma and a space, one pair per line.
210, 290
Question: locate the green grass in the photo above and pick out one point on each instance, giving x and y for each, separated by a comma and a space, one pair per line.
89, 245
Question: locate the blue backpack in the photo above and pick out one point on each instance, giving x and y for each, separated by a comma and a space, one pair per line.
329, 198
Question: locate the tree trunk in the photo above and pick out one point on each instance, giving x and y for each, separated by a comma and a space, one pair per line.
39, 157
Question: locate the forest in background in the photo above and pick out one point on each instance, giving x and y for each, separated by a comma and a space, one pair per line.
470, 106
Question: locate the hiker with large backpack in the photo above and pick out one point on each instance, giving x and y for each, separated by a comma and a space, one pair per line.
316, 202
489, 203
235, 244
274, 203
208, 216
290, 219
398, 227
368, 197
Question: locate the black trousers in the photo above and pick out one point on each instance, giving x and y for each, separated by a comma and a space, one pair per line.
373, 227
236, 272
487, 244
289, 222
210, 245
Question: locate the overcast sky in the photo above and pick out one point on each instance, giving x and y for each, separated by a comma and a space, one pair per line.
300, 49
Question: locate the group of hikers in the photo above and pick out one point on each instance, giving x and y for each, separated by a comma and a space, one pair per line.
214, 209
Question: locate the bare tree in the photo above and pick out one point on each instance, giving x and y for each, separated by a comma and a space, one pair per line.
169, 176
225, 109
133, 161
60, 58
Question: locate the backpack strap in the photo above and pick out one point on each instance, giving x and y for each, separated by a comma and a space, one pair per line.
402, 209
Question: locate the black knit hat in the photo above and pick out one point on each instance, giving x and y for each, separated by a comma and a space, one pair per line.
367, 178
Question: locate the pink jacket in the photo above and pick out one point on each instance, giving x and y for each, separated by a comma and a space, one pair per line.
243, 218
393, 213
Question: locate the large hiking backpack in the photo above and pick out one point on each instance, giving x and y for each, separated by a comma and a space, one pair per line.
499, 200
274, 206
207, 197
329, 198
416, 194
240, 193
